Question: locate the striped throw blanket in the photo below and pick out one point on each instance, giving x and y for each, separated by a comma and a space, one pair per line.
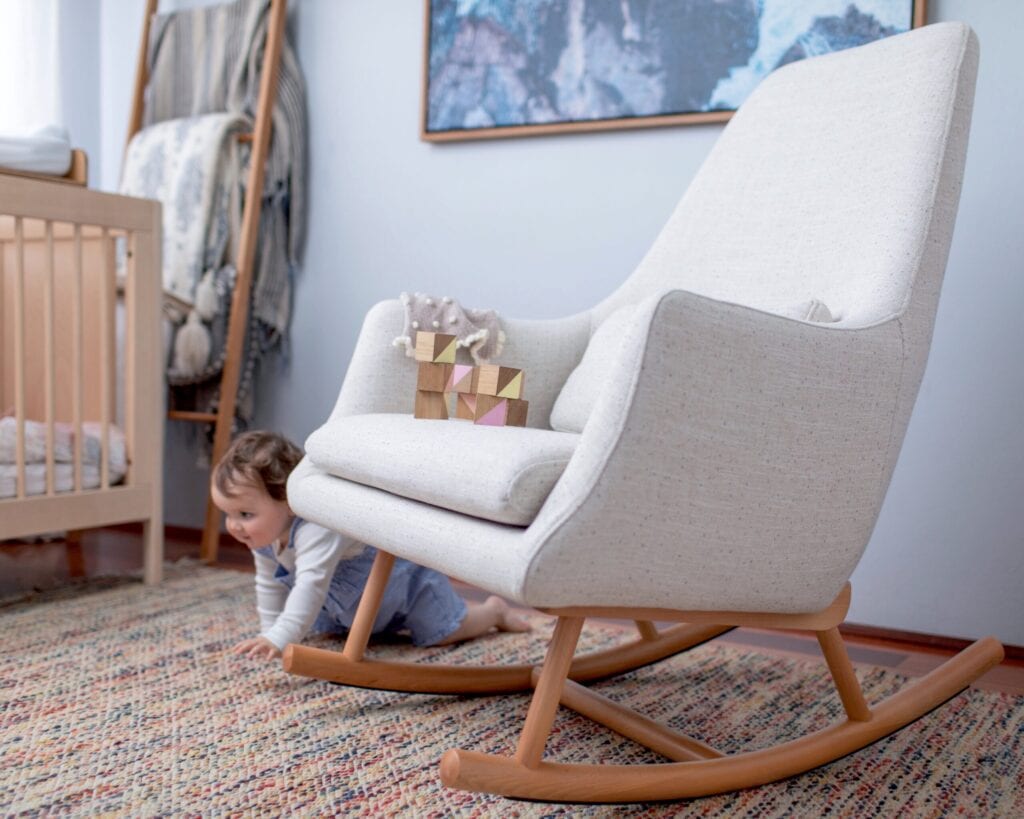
207, 60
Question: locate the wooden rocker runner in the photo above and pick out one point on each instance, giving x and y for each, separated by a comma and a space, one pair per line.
718, 458
350, 667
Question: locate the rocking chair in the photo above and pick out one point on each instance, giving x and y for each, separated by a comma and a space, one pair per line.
710, 445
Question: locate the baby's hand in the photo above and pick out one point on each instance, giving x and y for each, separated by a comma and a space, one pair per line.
258, 647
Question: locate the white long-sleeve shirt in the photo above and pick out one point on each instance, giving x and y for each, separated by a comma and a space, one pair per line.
286, 615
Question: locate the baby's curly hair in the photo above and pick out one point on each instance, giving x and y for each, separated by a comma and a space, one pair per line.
259, 458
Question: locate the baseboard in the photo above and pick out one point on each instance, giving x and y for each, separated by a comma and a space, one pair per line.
919, 640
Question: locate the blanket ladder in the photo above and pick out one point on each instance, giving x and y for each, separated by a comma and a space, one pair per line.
238, 316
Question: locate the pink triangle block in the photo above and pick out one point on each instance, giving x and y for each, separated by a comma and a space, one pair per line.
495, 417
459, 372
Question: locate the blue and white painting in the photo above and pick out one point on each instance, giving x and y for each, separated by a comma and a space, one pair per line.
508, 63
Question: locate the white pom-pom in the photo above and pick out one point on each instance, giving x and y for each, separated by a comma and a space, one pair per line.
191, 346
415, 325
453, 319
436, 323
430, 302
206, 301
406, 342
447, 299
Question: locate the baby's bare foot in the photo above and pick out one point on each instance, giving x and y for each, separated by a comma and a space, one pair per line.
506, 618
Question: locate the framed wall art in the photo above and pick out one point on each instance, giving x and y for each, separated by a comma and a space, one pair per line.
502, 68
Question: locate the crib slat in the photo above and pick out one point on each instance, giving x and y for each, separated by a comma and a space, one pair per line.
131, 381
19, 358
107, 296
49, 354
77, 360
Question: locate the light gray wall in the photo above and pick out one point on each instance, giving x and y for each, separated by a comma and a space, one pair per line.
947, 555
546, 226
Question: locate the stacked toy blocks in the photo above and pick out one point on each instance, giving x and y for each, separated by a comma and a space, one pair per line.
499, 399
435, 353
488, 394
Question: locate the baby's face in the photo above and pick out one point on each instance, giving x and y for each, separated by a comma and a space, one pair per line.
251, 515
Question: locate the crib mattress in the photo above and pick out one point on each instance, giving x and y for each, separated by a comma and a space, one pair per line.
63, 455
64, 478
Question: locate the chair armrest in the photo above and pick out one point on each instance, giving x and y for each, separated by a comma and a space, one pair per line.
381, 378
728, 438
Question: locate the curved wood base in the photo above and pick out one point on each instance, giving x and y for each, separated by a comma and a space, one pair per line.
702, 777
431, 678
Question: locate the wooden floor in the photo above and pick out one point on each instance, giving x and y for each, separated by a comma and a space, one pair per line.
31, 566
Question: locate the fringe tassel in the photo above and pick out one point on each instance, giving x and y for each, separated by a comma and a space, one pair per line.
191, 346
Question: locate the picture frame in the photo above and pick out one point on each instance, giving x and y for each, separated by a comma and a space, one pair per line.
494, 69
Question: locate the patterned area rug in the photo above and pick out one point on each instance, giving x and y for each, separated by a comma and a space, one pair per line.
121, 700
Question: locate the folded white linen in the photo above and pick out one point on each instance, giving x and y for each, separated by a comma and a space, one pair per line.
47, 150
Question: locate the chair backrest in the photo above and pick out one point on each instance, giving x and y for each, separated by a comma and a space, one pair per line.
824, 186
749, 474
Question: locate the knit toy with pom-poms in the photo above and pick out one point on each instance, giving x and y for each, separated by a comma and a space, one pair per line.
478, 331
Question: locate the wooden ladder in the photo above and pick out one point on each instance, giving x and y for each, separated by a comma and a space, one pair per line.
239, 312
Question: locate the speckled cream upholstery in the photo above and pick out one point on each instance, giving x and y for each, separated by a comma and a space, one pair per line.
735, 458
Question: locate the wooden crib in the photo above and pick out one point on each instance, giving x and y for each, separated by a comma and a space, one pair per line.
81, 362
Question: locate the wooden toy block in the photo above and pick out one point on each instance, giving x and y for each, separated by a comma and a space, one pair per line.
465, 406
436, 348
462, 378
498, 412
433, 377
431, 406
503, 382
516, 413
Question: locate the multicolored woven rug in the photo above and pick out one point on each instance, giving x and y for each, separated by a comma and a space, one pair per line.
122, 700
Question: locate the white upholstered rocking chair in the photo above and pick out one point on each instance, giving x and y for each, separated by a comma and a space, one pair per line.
720, 454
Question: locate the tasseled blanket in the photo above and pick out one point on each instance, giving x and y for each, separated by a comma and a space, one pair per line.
193, 167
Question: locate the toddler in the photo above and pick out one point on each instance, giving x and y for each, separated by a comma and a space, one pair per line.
310, 579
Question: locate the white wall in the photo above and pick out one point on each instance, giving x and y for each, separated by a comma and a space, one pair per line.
546, 226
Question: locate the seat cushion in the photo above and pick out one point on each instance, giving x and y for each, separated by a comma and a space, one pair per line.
502, 474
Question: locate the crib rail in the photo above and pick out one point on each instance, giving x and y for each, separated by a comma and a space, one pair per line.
68, 341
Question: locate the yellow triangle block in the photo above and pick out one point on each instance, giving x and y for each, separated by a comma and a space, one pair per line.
446, 356
513, 388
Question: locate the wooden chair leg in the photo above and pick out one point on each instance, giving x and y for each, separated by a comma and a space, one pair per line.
647, 629
850, 692
369, 605
548, 694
